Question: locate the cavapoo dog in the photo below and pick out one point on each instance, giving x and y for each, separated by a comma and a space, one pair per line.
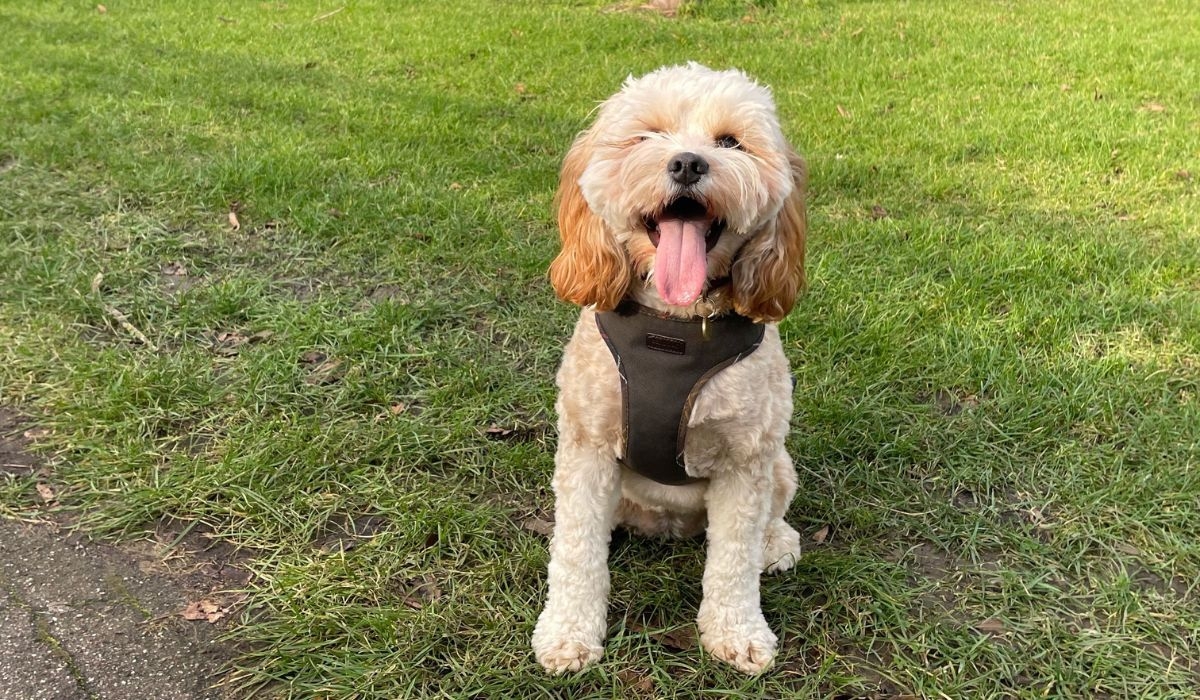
681, 212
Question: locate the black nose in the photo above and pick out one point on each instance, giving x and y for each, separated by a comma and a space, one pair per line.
687, 168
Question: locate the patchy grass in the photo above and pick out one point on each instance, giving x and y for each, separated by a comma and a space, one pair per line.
997, 422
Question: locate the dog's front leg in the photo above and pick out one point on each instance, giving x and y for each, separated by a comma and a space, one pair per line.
732, 627
570, 632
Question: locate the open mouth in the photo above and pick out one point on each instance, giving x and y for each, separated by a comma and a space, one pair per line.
682, 234
686, 209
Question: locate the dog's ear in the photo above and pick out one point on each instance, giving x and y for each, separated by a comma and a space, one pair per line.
768, 273
591, 268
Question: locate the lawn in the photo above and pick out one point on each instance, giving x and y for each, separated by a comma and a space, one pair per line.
274, 273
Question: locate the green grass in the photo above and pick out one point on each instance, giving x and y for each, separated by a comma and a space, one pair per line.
998, 360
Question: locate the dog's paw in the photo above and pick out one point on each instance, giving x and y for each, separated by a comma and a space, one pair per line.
563, 642
749, 647
781, 547
563, 655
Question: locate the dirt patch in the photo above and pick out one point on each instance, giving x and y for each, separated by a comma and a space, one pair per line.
189, 552
14, 444
343, 533
950, 402
383, 294
1171, 587
176, 278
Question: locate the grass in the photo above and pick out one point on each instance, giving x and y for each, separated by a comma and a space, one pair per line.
998, 360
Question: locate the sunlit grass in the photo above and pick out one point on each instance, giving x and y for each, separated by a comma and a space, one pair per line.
998, 360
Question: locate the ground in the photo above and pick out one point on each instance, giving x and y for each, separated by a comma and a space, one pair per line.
273, 284
84, 620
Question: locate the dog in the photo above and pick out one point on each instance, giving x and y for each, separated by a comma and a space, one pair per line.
682, 219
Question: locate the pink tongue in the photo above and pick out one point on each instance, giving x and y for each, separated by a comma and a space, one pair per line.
680, 267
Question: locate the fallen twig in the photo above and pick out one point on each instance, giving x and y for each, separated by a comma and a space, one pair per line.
327, 15
120, 317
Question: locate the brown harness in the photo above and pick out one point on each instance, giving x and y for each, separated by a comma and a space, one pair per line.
664, 362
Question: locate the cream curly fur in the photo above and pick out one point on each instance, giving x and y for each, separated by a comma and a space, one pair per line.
614, 178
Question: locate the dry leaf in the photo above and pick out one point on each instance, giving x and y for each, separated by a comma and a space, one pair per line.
203, 610
227, 343
101, 9
495, 432
679, 639
641, 684
1129, 549
393, 410
843, 111
233, 221
1153, 107
991, 626
542, 527
47, 493
821, 535
322, 368
229, 340
1036, 516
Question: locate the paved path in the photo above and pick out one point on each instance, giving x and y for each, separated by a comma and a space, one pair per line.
81, 620
86, 621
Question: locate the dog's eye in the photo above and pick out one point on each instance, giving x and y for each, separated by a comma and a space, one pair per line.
728, 141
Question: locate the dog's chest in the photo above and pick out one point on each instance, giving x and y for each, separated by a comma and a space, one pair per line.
663, 364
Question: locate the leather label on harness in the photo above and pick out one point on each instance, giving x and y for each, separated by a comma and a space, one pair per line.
663, 343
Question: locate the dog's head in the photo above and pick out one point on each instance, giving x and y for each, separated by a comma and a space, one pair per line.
684, 179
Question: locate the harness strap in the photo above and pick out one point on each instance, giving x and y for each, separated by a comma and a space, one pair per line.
664, 362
